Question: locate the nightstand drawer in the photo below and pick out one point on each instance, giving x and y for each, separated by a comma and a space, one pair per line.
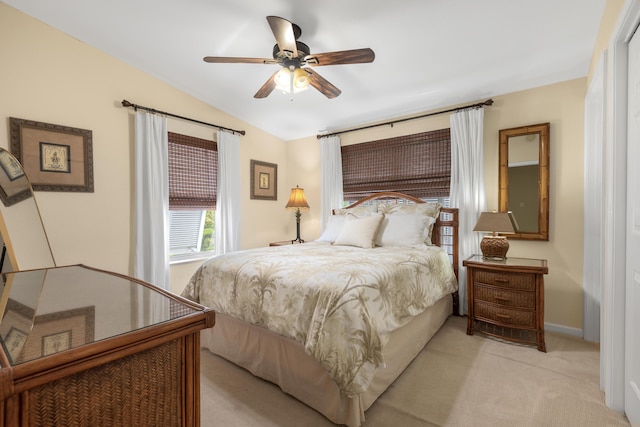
521, 281
504, 297
504, 316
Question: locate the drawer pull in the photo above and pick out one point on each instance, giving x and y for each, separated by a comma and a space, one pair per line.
498, 279
503, 316
502, 299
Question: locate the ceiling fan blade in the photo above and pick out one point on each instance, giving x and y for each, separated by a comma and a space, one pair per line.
284, 34
354, 56
323, 85
233, 60
267, 87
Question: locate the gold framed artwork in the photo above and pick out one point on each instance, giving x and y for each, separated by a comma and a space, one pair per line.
54, 157
264, 180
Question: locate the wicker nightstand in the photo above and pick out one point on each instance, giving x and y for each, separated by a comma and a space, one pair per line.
506, 298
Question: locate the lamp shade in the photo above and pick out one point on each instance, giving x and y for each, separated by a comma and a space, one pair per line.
495, 222
297, 200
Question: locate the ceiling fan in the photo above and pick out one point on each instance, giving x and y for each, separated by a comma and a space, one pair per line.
295, 58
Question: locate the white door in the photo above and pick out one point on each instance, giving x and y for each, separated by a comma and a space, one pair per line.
632, 310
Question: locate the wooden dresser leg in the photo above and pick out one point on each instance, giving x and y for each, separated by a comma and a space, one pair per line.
541, 344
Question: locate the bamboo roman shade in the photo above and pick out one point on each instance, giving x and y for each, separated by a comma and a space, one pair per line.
193, 172
418, 165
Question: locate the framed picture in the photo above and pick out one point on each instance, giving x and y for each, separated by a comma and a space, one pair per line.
26, 337
13, 343
54, 157
264, 180
10, 166
14, 186
59, 331
16, 322
56, 342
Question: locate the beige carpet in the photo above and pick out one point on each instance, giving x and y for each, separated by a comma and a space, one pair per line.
457, 380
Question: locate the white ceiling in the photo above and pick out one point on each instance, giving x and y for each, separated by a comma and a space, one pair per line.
430, 54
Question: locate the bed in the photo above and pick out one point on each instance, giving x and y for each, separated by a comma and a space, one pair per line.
335, 321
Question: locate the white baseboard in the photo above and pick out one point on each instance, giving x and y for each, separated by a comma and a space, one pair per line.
576, 332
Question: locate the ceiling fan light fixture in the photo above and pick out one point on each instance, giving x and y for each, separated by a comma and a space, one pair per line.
283, 79
300, 79
292, 80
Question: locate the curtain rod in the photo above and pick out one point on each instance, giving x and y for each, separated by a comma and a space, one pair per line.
391, 123
126, 103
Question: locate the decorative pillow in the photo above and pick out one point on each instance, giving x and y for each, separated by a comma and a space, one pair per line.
359, 211
359, 232
404, 230
430, 209
333, 228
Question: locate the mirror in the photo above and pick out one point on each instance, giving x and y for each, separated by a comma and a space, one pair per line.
22, 234
524, 179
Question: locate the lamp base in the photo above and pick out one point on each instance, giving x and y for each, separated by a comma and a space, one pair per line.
297, 239
494, 247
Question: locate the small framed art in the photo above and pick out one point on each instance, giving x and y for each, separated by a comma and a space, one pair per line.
14, 186
54, 157
264, 180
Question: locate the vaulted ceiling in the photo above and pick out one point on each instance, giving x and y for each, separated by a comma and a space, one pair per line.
429, 54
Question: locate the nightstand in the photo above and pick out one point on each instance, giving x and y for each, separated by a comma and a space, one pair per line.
506, 298
285, 242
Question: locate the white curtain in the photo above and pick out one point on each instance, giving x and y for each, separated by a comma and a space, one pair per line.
228, 193
151, 228
467, 185
331, 175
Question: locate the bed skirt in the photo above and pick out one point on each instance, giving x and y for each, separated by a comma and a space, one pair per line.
284, 362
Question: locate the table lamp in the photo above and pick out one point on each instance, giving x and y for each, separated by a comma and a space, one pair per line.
495, 247
297, 202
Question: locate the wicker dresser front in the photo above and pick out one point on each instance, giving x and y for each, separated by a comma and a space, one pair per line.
506, 299
147, 386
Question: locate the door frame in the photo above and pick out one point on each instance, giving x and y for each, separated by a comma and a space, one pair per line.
613, 333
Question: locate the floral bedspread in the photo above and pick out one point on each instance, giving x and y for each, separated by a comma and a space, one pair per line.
340, 302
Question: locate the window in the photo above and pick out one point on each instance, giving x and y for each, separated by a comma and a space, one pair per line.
192, 233
193, 169
418, 165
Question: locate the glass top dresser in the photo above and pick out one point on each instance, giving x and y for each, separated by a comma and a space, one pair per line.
82, 346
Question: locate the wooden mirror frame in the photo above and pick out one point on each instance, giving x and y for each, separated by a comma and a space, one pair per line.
542, 130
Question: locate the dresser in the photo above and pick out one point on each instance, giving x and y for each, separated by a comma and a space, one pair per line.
82, 346
506, 298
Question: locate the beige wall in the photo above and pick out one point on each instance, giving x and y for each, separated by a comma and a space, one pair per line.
561, 105
50, 77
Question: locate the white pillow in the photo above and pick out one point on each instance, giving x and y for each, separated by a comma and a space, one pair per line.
359, 232
358, 211
404, 230
333, 228
429, 209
